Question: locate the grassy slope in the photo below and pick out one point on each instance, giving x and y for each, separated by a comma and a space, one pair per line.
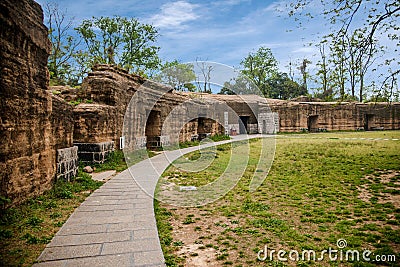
310, 199
25, 230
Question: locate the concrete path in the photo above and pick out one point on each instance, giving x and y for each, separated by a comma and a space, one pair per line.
115, 226
103, 176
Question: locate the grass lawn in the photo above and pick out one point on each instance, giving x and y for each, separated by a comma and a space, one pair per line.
321, 188
26, 229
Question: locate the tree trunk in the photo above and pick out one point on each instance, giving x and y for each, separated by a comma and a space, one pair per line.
361, 87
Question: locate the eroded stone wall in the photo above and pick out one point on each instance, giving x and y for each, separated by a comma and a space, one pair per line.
33, 123
159, 109
314, 116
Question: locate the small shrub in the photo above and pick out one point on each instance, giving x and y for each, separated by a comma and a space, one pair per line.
115, 161
4, 201
220, 137
64, 193
55, 215
59, 224
5, 233
188, 220
34, 221
75, 102
178, 243
223, 256
31, 239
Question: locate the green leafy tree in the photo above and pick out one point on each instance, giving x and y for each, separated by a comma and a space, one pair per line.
338, 60
226, 89
360, 24
122, 41
240, 85
283, 87
259, 66
81, 66
323, 75
139, 52
63, 45
304, 73
177, 75
260, 73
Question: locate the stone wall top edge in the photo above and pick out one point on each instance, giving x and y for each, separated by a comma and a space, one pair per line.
28, 17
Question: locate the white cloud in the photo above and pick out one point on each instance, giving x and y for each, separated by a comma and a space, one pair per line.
305, 50
175, 14
278, 7
225, 5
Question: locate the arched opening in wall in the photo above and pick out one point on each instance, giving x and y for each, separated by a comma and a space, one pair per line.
199, 129
153, 129
312, 123
207, 127
244, 124
369, 122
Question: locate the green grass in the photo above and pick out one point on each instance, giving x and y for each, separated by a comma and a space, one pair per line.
116, 160
215, 138
310, 199
27, 228
165, 234
220, 137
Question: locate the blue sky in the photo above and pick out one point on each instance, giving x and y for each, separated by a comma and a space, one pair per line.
223, 31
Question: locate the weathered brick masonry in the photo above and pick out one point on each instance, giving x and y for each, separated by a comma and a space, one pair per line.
33, 123
314, 116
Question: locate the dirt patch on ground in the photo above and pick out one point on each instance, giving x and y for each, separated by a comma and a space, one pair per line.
388, 177
198, 255
194, 236
364, 193
390, 180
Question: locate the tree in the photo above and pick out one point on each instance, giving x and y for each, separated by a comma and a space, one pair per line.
259, 66
63, 45
226, 89
283, 87
203, 83
291, 73
82, 65
139, 53
350, 61
122, 41
280, 84
240, 85
177, 75
376, 20
338, 59
323, 70
304, 73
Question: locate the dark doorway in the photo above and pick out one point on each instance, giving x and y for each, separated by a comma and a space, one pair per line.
200, 125
312, 123
369, 121
153, 129
201, 129
243, 124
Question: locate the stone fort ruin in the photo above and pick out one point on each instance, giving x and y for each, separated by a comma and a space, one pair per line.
43, 136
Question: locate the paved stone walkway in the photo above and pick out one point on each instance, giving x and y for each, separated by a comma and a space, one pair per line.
115, 226
103, 176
